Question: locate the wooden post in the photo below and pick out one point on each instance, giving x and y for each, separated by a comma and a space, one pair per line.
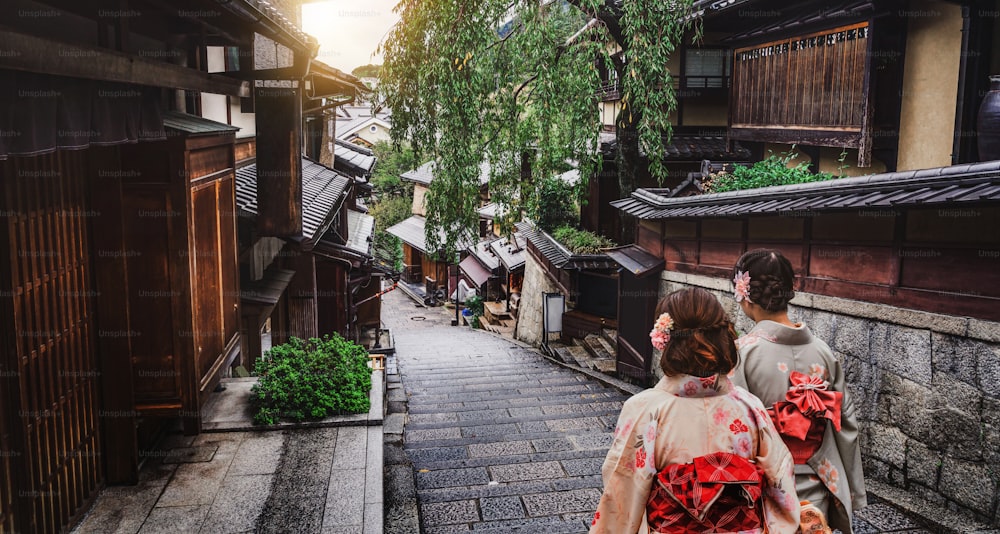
279, 161
120, 441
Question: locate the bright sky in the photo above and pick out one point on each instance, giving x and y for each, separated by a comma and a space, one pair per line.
349, 31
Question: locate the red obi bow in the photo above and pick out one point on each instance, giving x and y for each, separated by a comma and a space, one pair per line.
807, 400
718, 492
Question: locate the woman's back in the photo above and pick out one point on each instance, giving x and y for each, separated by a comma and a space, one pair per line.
679, 420
771, 351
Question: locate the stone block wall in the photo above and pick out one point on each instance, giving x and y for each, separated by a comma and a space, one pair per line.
529, 315
927, 387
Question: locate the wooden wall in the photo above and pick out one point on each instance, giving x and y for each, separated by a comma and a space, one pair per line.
412, 265
944, 260
332, 297
49, 429
215, 269
813, 86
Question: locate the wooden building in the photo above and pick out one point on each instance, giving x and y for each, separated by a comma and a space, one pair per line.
589, 282
424, 268
120, 278
900, 238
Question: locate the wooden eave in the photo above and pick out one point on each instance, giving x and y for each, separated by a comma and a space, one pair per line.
34, 54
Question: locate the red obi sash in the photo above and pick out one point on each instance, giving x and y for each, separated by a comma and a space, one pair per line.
800, 417
719, 492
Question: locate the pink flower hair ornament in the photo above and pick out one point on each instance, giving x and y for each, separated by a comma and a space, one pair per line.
660, 334
742, 286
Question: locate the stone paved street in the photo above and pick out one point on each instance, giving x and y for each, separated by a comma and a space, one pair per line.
503, 440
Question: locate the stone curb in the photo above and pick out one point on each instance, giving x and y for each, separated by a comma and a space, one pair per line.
402, 513
938, 518
374, 417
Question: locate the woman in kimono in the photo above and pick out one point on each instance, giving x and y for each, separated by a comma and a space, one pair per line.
695, 453
802, 383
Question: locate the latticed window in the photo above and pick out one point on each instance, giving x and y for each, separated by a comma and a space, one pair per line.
706, 68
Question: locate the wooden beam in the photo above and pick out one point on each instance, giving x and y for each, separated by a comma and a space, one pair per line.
38, 54
801, 136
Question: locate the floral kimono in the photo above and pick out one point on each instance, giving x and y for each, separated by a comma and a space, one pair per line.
673, 440
797, 376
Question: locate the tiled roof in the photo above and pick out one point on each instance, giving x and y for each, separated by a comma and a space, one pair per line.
485, 254
559, 255
511, 254
411, 231
957, 184
488, 211
323, 190
683, 147
476, 273
194, 124
346, 127
636, 260
424, 174
352, 159
359, 231
809, 15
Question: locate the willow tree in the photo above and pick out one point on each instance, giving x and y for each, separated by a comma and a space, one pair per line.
515, 83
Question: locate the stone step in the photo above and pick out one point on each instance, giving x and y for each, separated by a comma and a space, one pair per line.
610, 335
518, 414
598, 347
562, 354
507, 453
580, 355
608, 367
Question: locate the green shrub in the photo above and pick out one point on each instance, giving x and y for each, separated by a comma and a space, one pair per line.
388, 212
556, 205
311, 380
581, 241
773, 170
475, 306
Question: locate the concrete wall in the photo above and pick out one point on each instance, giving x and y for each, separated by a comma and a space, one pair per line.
380, 133
927, 387
609, 112
930, 84
214, 106
419, 192
704, 111
828, 160
529, 315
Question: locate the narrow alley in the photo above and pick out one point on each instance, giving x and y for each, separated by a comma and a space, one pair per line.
503, 440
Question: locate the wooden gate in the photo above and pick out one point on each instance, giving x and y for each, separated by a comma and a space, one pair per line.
49, 421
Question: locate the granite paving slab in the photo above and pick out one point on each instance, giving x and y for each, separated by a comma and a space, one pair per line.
190, 455
290, 479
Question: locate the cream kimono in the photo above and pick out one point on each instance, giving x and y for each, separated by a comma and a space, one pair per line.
681, 418
768, 356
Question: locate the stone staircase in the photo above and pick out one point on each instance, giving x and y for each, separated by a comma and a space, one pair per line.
596, 351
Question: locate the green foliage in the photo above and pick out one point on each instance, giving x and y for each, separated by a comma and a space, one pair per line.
556, 206
393, 198
367, 71
581, 241
653, 29
311, 380
391, 162
475, 305
514, 84
773, 170
389, 211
